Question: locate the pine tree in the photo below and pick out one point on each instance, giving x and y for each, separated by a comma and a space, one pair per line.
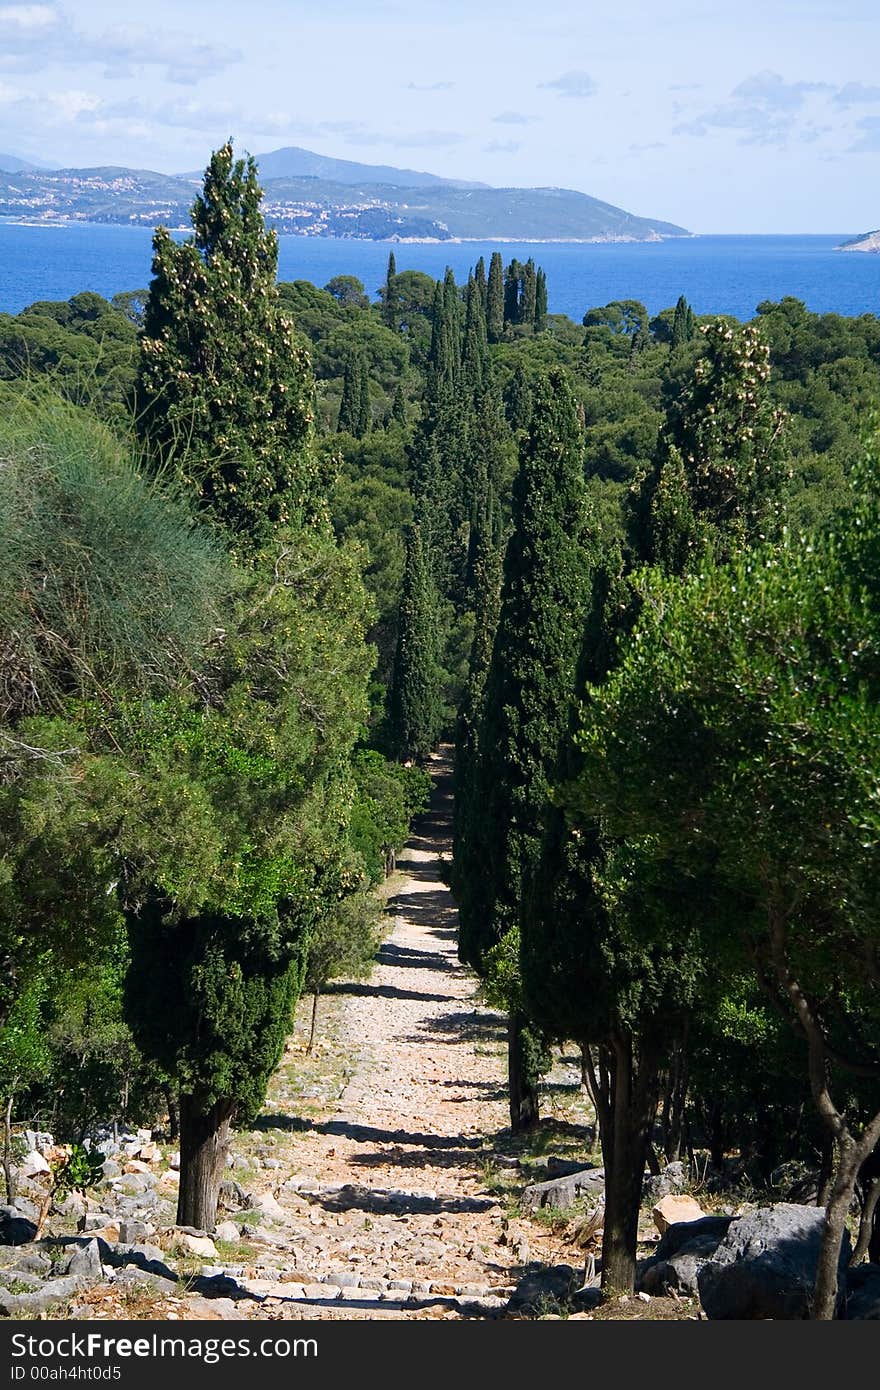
224, 395
495, 299
415, 711
540, 300
528, 688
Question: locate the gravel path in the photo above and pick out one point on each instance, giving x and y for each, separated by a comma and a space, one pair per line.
383, 1193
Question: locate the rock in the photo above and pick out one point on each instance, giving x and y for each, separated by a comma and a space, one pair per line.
19, 1280
680, 1255
203, 1246
562, 1167
33, 1165
765, 1267
15, 1229
174, 1162
136, 1165
546, 1290
228, 1231
673, 1179
40, 1300
38, 1139
110, 1168
232, 1196
134, 1184
672, 1209
132, 1231
35, 1262
564, 1192
85, 1263
150, 1153
269, 1206
110, 1232
863, 1293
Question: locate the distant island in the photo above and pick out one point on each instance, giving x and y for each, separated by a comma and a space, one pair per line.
313, 195
869, 241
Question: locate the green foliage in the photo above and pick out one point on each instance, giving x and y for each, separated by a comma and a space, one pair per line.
414, 714
105, 582
531, 674
387, 797
224, 391
344, 941
80, 1171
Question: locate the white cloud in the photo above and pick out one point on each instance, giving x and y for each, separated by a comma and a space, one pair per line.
572, 84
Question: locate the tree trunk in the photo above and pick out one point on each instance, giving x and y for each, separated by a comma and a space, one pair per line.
851, 1152
824, 1305
7, 1150
866, 1223
173, 1114
634, 1083
521, 1084
676, 1096
314, 1024
204, 1140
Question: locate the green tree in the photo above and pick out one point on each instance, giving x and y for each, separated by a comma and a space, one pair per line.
414, 701
540, 316
354, 408
224, 392
348, 291
495, 299
528, 687
391, 295
597, 966
753, 690
684, 323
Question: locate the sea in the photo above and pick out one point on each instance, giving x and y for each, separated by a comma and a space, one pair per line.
718, 274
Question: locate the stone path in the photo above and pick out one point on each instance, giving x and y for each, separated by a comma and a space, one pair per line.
383, 1195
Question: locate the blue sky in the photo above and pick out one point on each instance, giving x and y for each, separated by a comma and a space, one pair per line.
756, 116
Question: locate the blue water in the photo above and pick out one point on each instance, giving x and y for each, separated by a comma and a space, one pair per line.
723, 274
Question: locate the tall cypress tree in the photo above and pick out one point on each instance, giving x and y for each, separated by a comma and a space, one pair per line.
594, 965
513, 278
352, 418
529, 300
391, 295
481, 283
415, 710
540, 300
398, 405
365, 414
684, 323
495, 299
528, 688
224, 395
519, 400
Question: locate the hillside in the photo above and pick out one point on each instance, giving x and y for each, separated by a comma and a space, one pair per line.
358, 201
870, 241
14, 164
293, 162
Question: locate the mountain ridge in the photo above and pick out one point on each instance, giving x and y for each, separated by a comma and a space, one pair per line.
310, 205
